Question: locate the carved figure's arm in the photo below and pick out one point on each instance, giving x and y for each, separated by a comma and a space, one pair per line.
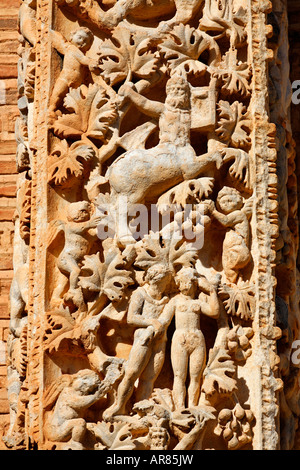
84, 401
134, 316
168, 313
146, 106
229, 220
211, 307
59, 42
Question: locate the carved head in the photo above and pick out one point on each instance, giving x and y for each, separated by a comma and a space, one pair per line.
159, 275
86, 381
79, 211
178, 92
186, 281
82, 38
229, 200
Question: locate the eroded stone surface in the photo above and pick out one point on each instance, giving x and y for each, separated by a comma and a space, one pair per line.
147, 235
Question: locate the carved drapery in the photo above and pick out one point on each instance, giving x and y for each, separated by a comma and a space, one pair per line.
143, 313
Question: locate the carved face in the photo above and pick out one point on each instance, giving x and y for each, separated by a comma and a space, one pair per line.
82, 39
178, 93
229, 203
86, 382
186, 281
79, 212
229, 200
159, 276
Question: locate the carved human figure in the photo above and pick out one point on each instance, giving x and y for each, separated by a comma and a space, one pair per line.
72, 397
74, 64
142, 174
234, 215
146, 312
19, 299
80, 232
188, 351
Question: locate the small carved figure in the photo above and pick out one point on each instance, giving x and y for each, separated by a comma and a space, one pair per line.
234, 215
80, 232
188, 351
72, 397
146, 312
19, 300
75, 62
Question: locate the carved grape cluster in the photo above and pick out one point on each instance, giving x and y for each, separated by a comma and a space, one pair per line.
235, 426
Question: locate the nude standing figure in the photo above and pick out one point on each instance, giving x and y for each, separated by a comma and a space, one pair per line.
188, 349
146, 312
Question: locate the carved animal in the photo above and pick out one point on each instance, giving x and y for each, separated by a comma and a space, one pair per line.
142, 175
149, 9
183, 11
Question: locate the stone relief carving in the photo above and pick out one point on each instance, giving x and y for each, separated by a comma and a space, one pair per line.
151, 284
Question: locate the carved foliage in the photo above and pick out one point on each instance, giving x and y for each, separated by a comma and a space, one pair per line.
121, 299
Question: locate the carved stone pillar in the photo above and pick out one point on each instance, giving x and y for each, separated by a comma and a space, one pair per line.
151, 227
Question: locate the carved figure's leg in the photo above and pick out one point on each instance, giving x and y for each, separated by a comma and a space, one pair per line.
197, 364
233, 260
179, 359
152, 370
186, 10
60, 90
139, 356
68, 265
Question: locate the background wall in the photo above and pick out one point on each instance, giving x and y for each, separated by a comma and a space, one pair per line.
8, 113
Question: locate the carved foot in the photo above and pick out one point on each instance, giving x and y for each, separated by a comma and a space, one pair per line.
113, 413
14, 440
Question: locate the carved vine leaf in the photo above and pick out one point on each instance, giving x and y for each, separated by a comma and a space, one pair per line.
239, 300
113, 436
171, 251
225, 21
58, 328
109, 277
188, 192
25, 215
21, 354
184, 47
91, 113
219, 374
126, 54
235, 76
65, 161
233, 125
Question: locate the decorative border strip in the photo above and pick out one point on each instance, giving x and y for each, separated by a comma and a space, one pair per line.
37, 262
265, 234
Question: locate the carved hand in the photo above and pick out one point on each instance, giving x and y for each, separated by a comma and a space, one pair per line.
93, 66
126, 89
94, 222
209, 206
